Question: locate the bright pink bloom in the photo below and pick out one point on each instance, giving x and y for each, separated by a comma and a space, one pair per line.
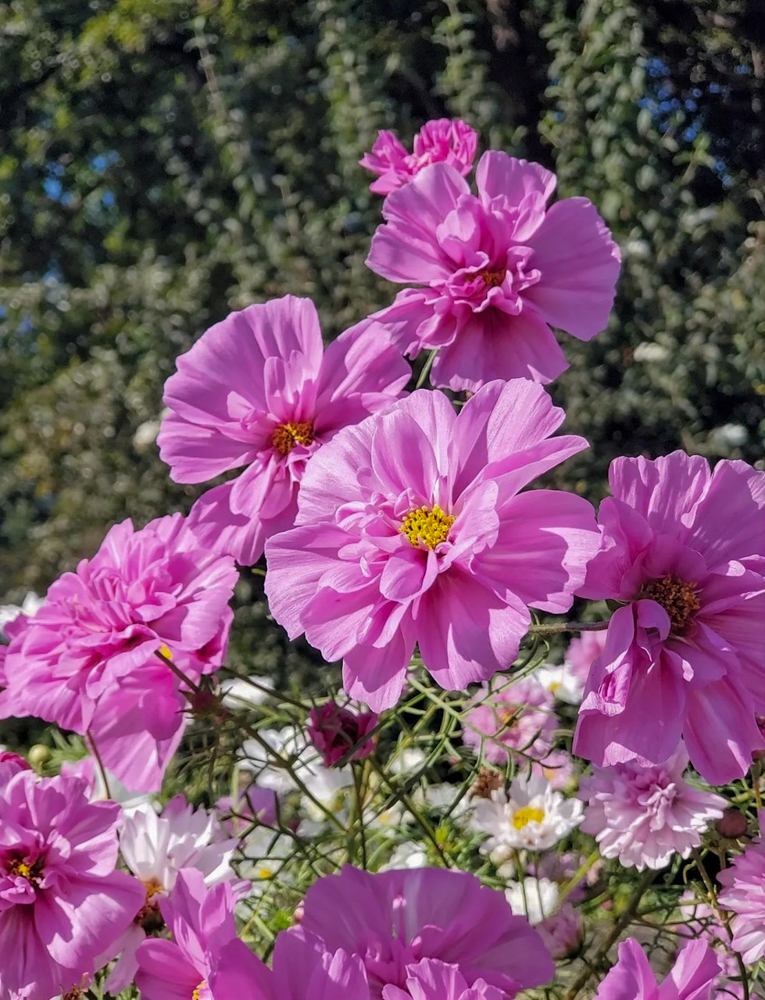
439, 141
201, 921
394, 919
683, 547
88, 658
512, 717
498, 269
430, 980
259, 390
411, 528
583, 651
10, 764
744, 894
61, 901
334, 730
644, 815
632, 978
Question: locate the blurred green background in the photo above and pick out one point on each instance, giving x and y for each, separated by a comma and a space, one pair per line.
165, 161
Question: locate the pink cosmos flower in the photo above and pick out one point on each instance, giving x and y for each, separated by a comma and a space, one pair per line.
430, 980
496, 271
88, 659
259, 390
439, 141
644, 815
10, 764
61, 901
744, 894
583, 651
512, 717
394, 919
632, 978
683, 547
333, 730
411, 528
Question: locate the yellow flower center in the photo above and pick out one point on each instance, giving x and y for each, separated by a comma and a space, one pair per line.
678, 598
166, 651
492, 279
525, 815
555, 686
286, 436
152, 887
427, 526
202, 986
21, 868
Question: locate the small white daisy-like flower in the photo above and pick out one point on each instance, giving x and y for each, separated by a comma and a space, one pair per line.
561, 682
533, 898
407, 855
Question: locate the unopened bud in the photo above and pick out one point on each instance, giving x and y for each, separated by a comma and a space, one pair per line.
732, 824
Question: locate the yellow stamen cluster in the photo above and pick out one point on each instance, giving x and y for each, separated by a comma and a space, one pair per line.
198, 990
286, 436
525, 815
492, 279
23, 870
426, 526
678, 598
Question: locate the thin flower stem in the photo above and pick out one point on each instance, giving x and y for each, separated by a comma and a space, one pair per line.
568, 627
178, 673
721, 915
99, 762
426, 369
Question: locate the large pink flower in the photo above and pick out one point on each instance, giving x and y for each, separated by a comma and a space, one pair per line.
411, 528
431, 980
683, 547
497, 269
691, 978
88, 660
61, 901
259, 390
439, 141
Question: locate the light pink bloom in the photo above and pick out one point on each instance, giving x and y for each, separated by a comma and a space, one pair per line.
259, 390
411, 528
496, 271
644, 815
255, 804
87, 660
583, 651
394, 919
511, 717
632, 978
744, 894
562, 931
10, 764
61, 901
439, 141
334, 730
431, 980
683, 547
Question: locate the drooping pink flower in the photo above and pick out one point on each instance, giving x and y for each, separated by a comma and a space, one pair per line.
432, 980
442, 140
393, 919
644, 815
497, 270
744, 894
632, 978
511, 717
259, 390
683, 547
411, 528
583, 651
334, 730
61, 900
88, 658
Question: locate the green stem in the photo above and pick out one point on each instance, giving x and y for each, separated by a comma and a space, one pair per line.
426, 369
568, 627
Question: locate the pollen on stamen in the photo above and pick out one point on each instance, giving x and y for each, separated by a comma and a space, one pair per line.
286, 436
679, 599
427, 526
525, 815
492, 279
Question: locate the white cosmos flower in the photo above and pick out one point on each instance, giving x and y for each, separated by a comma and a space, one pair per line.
238, 693
534, 898
532, 815
407, 855
561, 682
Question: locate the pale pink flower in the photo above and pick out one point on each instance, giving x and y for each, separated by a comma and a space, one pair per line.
582, 652
61, 900
259, 390
684, 548
432, 980
88, 659
497, 270
335, 730
511, 717
411, 529
645, 815
744, 895
439, 141
691, 978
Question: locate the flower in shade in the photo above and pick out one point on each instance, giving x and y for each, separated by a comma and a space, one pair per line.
511, 717
334, 731
259, 390
432, 980
582, 652
496, 271
744, 894
644, 815
89, 661
411, 529
531, 815
61, 900
691, 978
393, 919
439, 141
684, 548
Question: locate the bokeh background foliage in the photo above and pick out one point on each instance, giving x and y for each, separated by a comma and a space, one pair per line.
165, 161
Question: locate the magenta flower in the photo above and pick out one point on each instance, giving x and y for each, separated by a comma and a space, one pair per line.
259, 390
88, 658
411, 528
61, 901
644, 815
511, 717
392, 920
429, 980
10, 764
496, 271
632, 978
439, 141
744, 894
334, 730
683, 547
